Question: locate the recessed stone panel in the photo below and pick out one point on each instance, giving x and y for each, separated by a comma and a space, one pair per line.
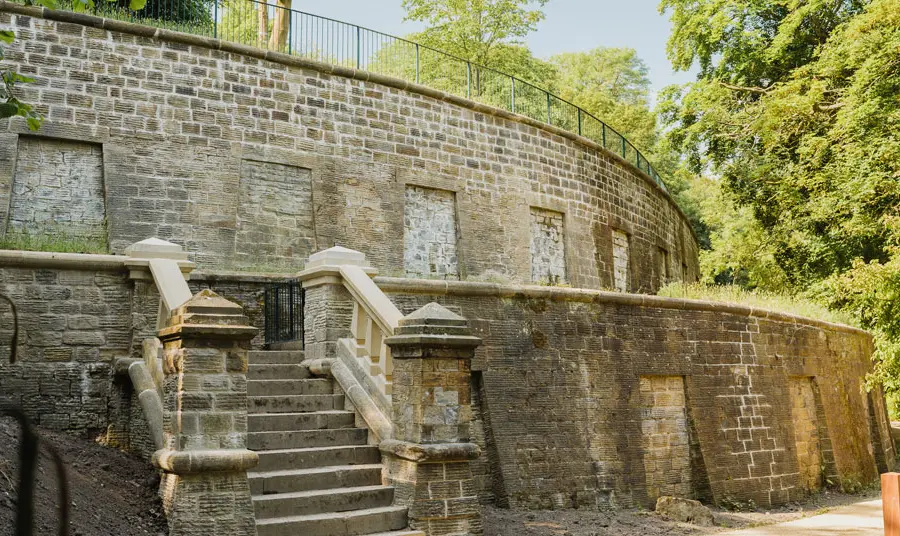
58, 189
806, 434
620, 260
666, 439
275, 219
548, 254
429, 238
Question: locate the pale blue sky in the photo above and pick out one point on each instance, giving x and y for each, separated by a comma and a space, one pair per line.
570, 26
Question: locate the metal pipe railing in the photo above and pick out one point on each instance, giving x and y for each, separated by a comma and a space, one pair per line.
349, 45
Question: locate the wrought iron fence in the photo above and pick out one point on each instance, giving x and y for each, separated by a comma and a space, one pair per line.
283, 305
273, 27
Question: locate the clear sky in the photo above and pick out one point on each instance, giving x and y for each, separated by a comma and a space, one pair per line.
570, 26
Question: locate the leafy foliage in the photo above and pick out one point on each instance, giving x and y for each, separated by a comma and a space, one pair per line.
796, 113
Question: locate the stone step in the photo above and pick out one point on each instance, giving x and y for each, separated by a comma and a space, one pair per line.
353, 523
287, 422
277, 372
294, 403
311, 386
259, 357
322, 501
288, 345
319, 478
307, 438
285, 459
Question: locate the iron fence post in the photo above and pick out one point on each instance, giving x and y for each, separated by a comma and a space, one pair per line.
215, 19
579, 121
289, 36
291, 310
603, 129
549, 120
623, 145
513, 93
358, 47
468, 80
417, 63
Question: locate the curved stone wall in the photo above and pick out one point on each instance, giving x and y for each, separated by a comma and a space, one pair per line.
589, 398
255, 159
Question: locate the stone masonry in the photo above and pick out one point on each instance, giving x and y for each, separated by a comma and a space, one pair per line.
204, 486
621, 261
58, 188
806, 433
548, 255
429, 238
275, 218
181, 124
561, 377
428, 461
664, 426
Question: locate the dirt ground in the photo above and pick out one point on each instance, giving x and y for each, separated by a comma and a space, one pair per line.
111, 493
503, 522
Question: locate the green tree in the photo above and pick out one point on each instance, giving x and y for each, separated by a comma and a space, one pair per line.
484, 32
796, 113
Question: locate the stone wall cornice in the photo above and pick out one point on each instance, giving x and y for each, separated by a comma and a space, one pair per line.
164, 35
399, 285
62, 261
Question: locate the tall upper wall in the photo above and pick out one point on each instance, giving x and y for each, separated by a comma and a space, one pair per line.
248, 161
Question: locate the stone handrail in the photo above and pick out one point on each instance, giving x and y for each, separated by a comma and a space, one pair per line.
167, 265
374, 318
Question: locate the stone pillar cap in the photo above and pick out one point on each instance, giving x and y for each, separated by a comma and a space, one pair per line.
207, 314
155, 248
433, 325
337, 256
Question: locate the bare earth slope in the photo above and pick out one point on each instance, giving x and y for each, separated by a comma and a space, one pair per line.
111, 493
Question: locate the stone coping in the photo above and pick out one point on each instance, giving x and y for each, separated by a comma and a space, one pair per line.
65, 261
165, 35
74, 261
235, 276
431, 287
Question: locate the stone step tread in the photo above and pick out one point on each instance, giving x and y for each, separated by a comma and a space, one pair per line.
320, 492
399, 533
310, 457
314, 437
294, 403
313, 470
298, 421
277, 371
333, 515
296, 386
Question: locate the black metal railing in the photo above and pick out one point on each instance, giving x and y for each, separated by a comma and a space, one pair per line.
283, 305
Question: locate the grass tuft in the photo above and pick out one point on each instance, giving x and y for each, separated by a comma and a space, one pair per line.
784, 303
54, 240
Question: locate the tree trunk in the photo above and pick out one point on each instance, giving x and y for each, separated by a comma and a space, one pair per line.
262, 35
281, 27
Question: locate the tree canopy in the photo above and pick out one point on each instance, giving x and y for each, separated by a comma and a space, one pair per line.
795, 122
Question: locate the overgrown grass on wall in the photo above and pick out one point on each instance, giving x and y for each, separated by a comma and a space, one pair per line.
55, 240
784, 303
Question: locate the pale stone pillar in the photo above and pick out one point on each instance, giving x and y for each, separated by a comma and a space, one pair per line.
204, 485
329, 306
429, 460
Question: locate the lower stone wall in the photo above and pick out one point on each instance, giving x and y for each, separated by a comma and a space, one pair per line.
589, 398
73, 323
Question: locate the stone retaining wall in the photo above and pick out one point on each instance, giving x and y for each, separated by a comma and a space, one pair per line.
251, 158
580, 397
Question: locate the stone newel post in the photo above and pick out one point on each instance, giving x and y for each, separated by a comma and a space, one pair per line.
429, 460
204, 485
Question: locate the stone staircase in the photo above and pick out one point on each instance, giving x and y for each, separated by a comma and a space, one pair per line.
317, 474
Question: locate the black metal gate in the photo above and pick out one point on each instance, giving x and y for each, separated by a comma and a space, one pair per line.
283, 305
